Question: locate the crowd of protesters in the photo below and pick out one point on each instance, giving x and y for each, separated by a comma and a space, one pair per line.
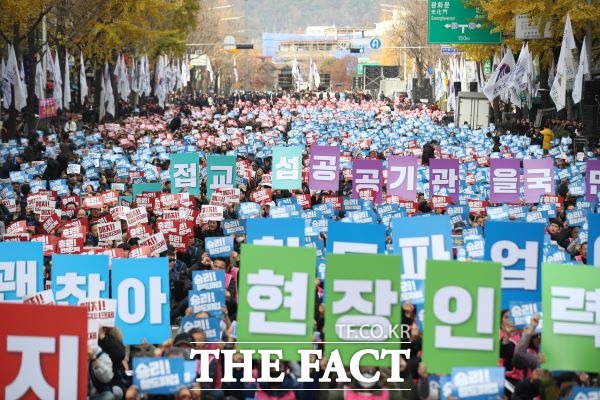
204, 117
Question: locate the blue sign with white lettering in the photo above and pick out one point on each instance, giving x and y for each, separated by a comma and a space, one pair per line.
79, 277
21, 270
375, 43
209, 279
518, 246
478, 383
233, 227
593, 239
355, 238
211, 301
418, 239
276, 232
219, 246
210, 326
159, 375
141, 287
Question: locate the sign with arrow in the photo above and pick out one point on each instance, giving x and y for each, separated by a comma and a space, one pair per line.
450, 22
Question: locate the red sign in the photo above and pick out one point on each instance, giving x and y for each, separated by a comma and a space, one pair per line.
336, 201
69, 246
45, 359
47, 108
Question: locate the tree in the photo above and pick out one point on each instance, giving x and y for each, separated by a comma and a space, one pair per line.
501, 18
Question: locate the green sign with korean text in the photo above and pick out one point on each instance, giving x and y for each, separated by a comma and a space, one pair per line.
363, 306
571, 331
451, 22
277, 299
462, 315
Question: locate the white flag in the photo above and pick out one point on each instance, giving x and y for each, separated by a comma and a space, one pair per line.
316, 76
40, 81
564, 68
109, 96
235, 71
23, 84
57, 92
582, 69
498, 83
12, 77
551, 74
83, 87
516, 85
49, 62
6, 88
211, 74
160, 89
67, 97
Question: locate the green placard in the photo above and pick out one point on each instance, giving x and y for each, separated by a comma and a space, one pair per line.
183, 171
221, 173
139, 188
287, 168
363, 299
462, 315
450, 22
271, 278
571, 324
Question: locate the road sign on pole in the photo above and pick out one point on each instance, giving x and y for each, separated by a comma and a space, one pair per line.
375, 43
450, 22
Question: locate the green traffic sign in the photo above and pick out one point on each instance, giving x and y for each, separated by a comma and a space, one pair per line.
450, 22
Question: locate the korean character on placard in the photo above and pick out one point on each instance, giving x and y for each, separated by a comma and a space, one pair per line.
18, 277
505, 180
324, 168
376, 312
288, 168
594, 181
185, 175
444, 177
31, 377
576, 311
367, 179
440, 4
446, 5
222, 177
405, 174
541, 179
434, 4
72, 282
415, 251
454, 306
509, 254
269, 292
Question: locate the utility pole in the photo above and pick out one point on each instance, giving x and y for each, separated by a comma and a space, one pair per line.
247, 57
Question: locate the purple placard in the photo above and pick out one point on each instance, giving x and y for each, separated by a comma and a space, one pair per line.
402, 176
367, 175
324, 168
592, 180
504, 180
539, 178
444, 174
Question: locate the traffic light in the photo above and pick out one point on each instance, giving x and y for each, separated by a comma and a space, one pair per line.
244, 46
357, 50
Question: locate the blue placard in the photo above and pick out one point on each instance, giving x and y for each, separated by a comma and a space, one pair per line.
22, 271
158, 375
410, 234
233, 227
478, 383
208, 280
275, 232
521, 313
210, 326
518, 246
141, 287
593, 238
219, 246
576, 217
497, 213
249, 210
355, 238
211, 301
79, 277
584, 393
